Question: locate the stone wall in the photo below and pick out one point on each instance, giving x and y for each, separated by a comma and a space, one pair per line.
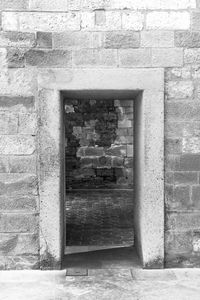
99, 143
98, 34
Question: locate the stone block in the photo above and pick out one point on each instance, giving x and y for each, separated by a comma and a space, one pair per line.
14, 4
191, 145
172, 162
182, 129
40, 21
128, 162
112, 21
120, 39
18, 184
168, 20
17, 144
87, 20
189, 162
48, 5
132, 20
116, 150
195, 20
15, 58
135, 58
167, 57
48, 58
16, 103
20, 262
117, 162
179, 111
169, 177
172, 146
18, 244
44, 40
104, 162
169, 196
178, 73
179, 89
74, 4
8, 123
182, 197
86, 162
192, 56
28, 123
125, 123
178, 242
76, 40
89, 57
4, 164
130, 151
17, 39
185, 178
94, 151
22, 164
196, 196
100, 17
183, 221
157, 39
16, 222
187, 39
18, 203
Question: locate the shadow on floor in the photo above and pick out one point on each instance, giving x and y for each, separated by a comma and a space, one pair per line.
121, 258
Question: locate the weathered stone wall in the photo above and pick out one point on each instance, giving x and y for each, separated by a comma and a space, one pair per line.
98, 34
99, 143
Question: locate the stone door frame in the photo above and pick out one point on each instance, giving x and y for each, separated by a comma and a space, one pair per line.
149, 155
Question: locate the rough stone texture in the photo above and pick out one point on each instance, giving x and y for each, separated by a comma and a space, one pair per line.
195, 20
135, 58
179, 89
16, 222
44, 40
127, 39
165, 57
17, 144
17, 39
192, 56
187, 39
8, 123
168, 20
16, 103
18, 203
22, 164
13, 4
18, 244
157, 39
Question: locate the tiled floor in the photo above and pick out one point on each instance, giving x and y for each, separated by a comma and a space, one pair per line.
99, 217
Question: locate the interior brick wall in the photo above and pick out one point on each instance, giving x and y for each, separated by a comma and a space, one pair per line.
98, 34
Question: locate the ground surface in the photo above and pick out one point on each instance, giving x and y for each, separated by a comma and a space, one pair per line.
100, 217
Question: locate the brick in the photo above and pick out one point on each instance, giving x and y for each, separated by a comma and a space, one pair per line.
132, 20
8, 123
18, 184
28, 123
160, 39
18, 223
17, 39
48, 58
18, 203
196, 196
40, 21
187, 39
168, 20
191, 145
172, 146
44, 40
13, 4
16, 103
135, 57
17, 144
182, 196
117, 40
89, 57
22, 164
16, 58
48, 5
167, 57
183, 221
189, 162
179, 89
195, 20
192, 56
18, 244
183, 111
185, 178
72, 40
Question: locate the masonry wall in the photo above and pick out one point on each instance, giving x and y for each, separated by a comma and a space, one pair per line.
98, 34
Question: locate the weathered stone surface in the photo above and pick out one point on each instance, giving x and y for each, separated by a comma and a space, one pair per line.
17, 39
185, 178
48, 5
18, 184
132, 20
8, 123
135, 58
22, 164
104, 57
196, 196
182, 129
178, 242
191, 145
126, 39
51, 58
168, 20
76, 39
15, 58
179, 89
20, 262
173, 146
182, 197
167, 57
187, 39
183, 221
44, 40
192, 56
18, 244
17, 144
178, 73
156, 38
16, 222
28, 123
183, 111
195, 20
13, 4
16, 103
189, 162
38, 21
18, 203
